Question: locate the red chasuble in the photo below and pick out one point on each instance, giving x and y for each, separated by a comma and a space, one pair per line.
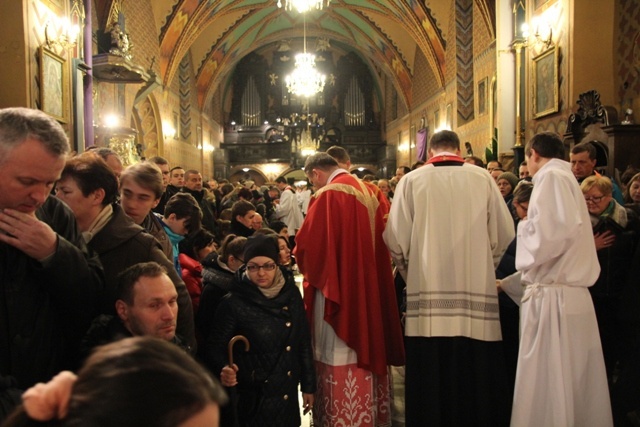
340, 251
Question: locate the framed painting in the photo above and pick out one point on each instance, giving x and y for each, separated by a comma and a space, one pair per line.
482, 96
176, 125
545, 83
52, 80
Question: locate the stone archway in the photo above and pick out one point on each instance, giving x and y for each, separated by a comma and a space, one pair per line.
146, 118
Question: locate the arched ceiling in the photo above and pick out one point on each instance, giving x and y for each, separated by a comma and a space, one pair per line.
386, 34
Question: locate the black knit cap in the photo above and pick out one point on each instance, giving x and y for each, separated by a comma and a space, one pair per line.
261, 245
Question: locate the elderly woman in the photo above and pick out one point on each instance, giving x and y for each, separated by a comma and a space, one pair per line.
90, 189
266, 307
632, 191
615, 239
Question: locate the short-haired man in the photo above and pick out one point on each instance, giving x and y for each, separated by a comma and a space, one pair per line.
560, 378
146, 305
163, 165
494, 164
49, 284
523, 171
447, 230
205, 199
344, 161
474, 160
583, 164
140, 191
402, 171
111, 158
286, 207
176, 182
349, 289
256, 222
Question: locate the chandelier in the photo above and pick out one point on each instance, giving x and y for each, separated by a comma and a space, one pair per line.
305, 80
303, 6
307, 146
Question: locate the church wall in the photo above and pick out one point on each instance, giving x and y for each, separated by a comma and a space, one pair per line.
119, 98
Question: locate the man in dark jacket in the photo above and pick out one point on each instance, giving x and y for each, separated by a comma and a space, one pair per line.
206, 200
147, 305
48, 282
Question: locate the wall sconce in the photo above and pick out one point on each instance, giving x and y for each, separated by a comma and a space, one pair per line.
404, 147
168, 131
61, 32
543, 33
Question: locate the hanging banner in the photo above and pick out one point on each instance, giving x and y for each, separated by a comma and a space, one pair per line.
421, 144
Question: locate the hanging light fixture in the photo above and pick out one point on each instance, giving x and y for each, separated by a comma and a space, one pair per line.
305, 80
307, 145
303, 6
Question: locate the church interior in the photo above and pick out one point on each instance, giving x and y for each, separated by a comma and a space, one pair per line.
217, 86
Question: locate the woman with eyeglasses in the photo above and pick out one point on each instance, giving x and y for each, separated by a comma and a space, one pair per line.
265, 306
615, 235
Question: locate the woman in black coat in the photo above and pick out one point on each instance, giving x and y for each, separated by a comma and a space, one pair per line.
266, 307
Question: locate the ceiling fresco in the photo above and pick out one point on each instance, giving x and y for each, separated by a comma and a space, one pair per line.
386, 34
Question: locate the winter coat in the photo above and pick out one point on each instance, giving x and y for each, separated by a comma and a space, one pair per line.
207, 204
121, 244
280, 355
106, 329
216, 283
192, 277
153, 225
45, 309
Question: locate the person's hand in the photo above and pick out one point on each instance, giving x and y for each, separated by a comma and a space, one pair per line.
499, 286
27, 233
276, 201
228, 376
604, 240
307, 402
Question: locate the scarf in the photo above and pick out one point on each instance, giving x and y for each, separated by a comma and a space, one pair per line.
275, 288
98, 223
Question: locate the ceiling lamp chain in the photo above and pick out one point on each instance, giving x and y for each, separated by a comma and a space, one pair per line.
303, 6
305, 80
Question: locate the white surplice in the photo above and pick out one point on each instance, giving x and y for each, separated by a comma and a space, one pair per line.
561, 378
288, 211
447, 230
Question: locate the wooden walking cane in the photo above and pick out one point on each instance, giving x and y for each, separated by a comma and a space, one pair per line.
232, 343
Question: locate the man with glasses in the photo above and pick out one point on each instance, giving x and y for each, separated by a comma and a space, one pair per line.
560, 377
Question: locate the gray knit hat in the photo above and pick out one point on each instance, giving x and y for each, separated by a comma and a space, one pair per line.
512, 178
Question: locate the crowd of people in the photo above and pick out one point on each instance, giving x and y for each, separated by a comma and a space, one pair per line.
499, 298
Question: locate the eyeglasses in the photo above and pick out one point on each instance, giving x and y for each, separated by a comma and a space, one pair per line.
594, 199
254, 268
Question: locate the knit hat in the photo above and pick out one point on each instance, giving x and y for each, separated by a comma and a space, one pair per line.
512, 178
261, 245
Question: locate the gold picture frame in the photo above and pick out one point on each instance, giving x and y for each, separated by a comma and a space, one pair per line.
545, 83
482, 96
53, 96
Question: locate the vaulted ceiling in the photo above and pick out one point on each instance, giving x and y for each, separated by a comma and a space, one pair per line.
386, 34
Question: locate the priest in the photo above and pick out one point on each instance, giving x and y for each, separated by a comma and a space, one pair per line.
349, 296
